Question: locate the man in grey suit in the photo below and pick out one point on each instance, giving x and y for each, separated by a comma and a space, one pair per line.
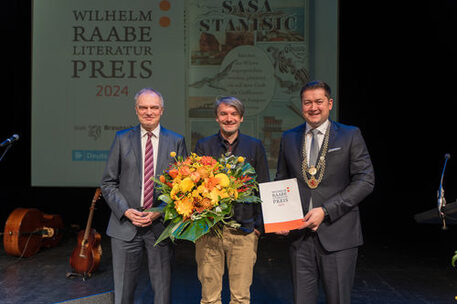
334, 172
136, 155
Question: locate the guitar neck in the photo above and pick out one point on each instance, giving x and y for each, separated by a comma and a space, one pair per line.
91, 214
89, 222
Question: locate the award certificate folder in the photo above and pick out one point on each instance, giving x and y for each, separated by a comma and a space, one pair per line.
281, 205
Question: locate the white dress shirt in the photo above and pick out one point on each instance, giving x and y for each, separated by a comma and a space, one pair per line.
320, 136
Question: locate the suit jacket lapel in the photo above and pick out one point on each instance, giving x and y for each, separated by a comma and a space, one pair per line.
333, 134
164, 148
299, 142
135, 141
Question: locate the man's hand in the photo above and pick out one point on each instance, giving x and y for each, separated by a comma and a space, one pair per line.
313, 219
257, 232
152, 215
283, 233
139, 218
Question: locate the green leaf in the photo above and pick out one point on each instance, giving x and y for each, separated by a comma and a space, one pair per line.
454, 258
249, 199
195, 230
156, 209
166, 198
165, 234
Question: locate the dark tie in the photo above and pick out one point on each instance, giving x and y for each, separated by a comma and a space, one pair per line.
314, 151
148, 174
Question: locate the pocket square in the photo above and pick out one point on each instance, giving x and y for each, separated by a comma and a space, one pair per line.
333, 149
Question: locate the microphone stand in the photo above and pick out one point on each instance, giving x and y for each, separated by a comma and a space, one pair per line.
4, 152
441, 199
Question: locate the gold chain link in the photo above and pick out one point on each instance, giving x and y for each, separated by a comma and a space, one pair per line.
312, 182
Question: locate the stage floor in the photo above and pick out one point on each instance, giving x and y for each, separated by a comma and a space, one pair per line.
388, 271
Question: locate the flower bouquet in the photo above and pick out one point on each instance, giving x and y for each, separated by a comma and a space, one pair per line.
200, 192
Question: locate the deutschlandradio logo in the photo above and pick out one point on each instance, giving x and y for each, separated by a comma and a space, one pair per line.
280, 197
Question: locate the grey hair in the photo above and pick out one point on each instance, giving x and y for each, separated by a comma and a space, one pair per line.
148, 91
230, 101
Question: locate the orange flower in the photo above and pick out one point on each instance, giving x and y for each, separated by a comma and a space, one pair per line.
162, 179
208, 161
185, 171
173, 173
187, 161
212, 182
195, 176
203, 205
203, 172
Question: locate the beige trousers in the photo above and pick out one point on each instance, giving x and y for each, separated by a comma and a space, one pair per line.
240, 251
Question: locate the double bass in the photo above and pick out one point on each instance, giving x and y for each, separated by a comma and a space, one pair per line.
29, 229
87, 253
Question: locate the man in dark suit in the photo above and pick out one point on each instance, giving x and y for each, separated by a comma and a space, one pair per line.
138, 154
334, 172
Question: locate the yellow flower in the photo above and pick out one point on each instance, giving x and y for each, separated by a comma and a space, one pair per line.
196, 194
224, 181
214, 196
173, 154
173, 191
217, 194
240, 159
233, 193
186, 185
223, 193
184, 206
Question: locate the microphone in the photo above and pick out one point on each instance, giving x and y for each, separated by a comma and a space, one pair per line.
441, 199
9, 141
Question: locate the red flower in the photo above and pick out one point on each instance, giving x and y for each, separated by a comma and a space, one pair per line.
208, 161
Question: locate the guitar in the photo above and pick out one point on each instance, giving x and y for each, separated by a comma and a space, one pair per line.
29, 229
86, 255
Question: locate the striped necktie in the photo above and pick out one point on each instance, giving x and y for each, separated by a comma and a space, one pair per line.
148, 174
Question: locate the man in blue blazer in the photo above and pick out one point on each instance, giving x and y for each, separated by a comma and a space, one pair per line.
127, 191
334, 172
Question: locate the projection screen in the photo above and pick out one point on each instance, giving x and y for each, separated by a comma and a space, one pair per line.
89, 58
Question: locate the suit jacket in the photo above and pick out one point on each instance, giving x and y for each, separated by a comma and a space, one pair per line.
123, 177
348, 179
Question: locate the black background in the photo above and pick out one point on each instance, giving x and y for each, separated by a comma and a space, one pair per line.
397, 83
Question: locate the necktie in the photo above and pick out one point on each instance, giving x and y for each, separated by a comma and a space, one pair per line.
314, 151
148, 174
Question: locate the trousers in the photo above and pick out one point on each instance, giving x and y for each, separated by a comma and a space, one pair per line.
240, 252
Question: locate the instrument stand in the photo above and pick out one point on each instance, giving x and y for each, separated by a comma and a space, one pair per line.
84, 276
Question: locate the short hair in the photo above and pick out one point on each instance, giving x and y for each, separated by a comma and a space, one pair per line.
316, 84
230, 101
148, 91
